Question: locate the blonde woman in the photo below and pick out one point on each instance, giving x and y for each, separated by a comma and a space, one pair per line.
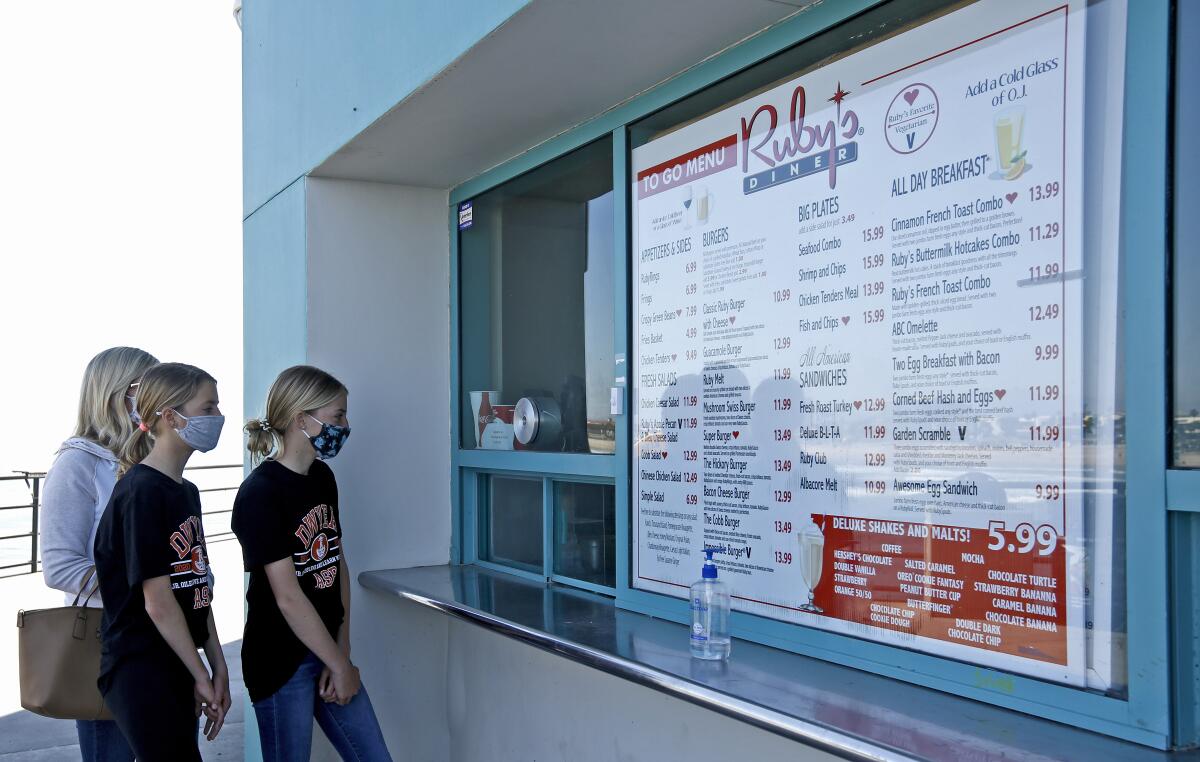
296, 649
77, 489
153, 567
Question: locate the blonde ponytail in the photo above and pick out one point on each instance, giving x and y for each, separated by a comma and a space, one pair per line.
135, 449
262, 440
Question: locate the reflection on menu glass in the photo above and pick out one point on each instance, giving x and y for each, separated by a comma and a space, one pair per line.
860, 343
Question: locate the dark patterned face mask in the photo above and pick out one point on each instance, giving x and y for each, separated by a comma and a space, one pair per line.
329, 441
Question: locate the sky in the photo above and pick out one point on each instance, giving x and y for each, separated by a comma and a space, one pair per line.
121, 204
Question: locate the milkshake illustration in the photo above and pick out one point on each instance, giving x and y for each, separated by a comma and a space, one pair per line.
812, 554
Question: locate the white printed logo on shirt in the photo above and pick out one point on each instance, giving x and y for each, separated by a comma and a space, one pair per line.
318, 534
191, 570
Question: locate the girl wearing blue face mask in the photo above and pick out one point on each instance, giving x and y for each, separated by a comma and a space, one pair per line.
296, 648
153, 568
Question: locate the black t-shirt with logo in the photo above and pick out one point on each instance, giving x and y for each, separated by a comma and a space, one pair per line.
279, 514
150, 528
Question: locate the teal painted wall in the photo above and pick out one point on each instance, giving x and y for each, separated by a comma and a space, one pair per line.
275, 318
316, 73
274, 273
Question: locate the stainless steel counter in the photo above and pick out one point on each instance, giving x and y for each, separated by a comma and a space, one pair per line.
847, 712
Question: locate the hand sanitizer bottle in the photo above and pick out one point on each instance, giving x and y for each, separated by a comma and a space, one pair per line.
710, 614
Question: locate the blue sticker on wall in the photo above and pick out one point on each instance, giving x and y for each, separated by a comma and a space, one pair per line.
465, 215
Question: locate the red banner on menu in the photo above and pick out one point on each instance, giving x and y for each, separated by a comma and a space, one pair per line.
693, 165
997, 589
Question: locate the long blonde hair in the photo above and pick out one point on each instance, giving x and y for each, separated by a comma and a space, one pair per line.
169, 385
299, 389
103, 417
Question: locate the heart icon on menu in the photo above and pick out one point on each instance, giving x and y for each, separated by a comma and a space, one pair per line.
732, 319
845, 319
673, 356
735, 434
664, 454
911, 95
678, 312
1000, 393
1010, 197
857, 404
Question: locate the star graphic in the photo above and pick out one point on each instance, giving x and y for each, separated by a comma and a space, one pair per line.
839, 95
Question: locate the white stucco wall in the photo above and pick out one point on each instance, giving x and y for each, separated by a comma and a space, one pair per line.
379, 320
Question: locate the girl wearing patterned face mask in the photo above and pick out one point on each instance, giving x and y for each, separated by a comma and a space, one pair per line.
75, 494
296, 649
152, 563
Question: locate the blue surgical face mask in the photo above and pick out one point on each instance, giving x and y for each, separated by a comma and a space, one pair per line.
201, 432
329, 441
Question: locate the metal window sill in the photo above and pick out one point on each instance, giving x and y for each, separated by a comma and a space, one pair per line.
836, 709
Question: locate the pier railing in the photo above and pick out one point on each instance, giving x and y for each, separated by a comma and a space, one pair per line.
33, 486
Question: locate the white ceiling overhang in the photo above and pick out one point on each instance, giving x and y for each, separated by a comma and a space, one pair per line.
553, 65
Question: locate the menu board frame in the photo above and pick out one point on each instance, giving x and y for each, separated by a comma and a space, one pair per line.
700, 378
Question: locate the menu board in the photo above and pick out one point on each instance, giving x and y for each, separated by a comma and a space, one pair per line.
857, 344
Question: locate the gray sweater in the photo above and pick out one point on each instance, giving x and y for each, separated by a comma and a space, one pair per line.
74, 496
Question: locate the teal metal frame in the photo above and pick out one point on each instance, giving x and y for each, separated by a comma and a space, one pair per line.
1145, 716
472, 494
1183, 490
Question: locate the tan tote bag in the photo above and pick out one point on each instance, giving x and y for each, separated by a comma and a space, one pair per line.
60, 659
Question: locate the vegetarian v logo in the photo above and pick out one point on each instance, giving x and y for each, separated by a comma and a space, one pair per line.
962, 433
910, 137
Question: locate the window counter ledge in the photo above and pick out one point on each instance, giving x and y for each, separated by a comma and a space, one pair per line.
843, 711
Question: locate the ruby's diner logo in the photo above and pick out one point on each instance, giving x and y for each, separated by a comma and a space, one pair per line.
797, 149
771, 152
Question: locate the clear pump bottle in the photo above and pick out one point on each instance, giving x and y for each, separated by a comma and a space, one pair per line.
710, 614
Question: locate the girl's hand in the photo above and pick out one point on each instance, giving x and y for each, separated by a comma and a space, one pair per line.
214, 720
205, 695
224, 700
346, 684
325, 686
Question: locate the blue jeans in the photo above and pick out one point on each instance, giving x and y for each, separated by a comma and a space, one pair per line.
285, 721
102, 741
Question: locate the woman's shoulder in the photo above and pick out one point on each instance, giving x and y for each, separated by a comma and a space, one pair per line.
82, 449
77, 454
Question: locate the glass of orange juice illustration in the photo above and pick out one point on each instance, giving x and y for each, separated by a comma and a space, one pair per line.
1010, 142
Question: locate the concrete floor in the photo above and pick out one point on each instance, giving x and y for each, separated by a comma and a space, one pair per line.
28, 737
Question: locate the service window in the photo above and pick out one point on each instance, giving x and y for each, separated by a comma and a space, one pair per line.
869, 314
537, 282
536, 289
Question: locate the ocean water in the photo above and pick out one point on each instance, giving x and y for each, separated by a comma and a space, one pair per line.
216, 504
